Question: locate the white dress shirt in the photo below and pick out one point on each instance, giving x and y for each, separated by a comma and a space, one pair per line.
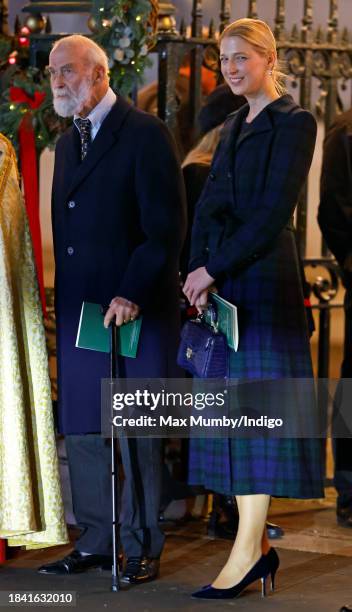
99, 112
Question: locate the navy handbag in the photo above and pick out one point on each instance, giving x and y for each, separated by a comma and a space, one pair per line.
203, 350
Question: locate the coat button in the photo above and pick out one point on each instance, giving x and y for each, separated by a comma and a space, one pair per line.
212, 176
70, 250
71, 204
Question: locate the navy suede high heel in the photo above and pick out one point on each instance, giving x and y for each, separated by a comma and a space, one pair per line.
265, 566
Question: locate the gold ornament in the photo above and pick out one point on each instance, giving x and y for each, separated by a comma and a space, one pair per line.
35, 23
166, 19
92, 24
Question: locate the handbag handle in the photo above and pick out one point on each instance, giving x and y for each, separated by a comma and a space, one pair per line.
213, 317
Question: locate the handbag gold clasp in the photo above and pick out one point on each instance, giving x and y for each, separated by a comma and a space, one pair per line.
189, 353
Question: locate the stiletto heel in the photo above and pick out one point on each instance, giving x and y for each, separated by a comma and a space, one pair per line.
267, 564
274, 562
272, 586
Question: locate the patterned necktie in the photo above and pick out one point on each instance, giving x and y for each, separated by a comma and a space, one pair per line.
84, 126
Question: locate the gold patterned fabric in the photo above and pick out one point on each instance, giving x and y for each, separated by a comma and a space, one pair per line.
31, 508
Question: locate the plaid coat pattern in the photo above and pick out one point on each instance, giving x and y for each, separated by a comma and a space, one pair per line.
243, 234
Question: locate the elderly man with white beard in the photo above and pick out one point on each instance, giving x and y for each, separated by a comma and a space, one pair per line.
118, 225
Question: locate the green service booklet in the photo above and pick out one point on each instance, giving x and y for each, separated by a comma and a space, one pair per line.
92, 334
227, 319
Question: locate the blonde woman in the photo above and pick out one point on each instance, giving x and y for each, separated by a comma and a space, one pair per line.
243, 242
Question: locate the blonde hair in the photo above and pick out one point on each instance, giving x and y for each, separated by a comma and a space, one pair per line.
259, 35
203, 152
95, 54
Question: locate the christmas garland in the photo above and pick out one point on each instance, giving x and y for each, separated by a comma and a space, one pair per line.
30, 93
127, 31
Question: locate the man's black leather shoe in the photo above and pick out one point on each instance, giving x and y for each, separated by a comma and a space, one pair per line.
344, 516
140, 569
75, 563
345, 609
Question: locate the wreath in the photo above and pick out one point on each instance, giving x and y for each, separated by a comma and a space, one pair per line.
127, 31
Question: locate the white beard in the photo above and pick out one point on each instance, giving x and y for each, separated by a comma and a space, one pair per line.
67, 104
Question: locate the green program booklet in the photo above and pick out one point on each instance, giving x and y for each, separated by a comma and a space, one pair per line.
92, 334
227, 319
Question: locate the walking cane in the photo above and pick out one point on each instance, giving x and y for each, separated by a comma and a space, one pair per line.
115, 582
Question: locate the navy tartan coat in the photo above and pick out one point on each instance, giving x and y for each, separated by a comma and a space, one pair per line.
118, 227
243, 234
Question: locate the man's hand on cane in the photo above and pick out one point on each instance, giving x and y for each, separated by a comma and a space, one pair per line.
123, 310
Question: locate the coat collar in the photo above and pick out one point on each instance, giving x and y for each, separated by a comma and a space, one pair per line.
104, 140
263, 122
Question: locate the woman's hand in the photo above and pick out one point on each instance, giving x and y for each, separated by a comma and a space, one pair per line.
202, 302
196, 283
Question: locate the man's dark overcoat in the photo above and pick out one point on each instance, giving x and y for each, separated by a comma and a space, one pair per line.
118, 224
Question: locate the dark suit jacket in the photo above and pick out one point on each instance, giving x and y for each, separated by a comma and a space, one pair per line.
119, 224
266, 167
335, 209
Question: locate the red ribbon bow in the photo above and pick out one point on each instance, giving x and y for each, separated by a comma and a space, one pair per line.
29, 170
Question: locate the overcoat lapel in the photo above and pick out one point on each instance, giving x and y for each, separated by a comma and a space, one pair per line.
262, 123
105, 139
234, 127
73, 150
